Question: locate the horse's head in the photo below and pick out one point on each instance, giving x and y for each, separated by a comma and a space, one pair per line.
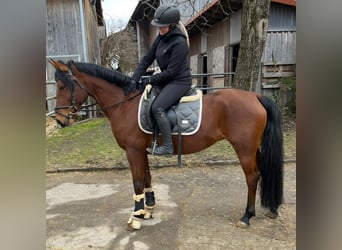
70, 94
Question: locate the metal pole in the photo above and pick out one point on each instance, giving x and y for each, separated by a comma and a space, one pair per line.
84, 40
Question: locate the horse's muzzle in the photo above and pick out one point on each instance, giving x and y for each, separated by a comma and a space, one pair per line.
60, 123
64, 121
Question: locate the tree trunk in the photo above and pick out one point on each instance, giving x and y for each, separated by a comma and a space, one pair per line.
254, 26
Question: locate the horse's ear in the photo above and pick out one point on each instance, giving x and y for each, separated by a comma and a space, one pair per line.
58, 65
53, 63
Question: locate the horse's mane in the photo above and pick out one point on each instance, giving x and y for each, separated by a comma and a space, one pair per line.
112, 76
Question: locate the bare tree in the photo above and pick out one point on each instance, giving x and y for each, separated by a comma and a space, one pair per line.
254, 26
119, 50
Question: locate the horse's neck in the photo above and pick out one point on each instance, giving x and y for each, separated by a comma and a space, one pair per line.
110, 98
104, 93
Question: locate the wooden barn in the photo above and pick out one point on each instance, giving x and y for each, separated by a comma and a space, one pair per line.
73, 32
214, 28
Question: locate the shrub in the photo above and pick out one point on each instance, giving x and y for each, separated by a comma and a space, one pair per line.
290, 84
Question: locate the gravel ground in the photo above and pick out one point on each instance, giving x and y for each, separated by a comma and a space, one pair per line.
197, 208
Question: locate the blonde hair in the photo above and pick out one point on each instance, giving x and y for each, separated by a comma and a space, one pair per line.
185, 32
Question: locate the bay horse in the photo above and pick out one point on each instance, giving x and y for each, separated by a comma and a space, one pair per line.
249, 121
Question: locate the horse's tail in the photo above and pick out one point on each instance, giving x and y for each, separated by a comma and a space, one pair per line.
271, 160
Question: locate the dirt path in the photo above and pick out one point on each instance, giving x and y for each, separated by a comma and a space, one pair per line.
196, 209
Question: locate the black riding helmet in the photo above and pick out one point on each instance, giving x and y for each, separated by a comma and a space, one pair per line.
165, 15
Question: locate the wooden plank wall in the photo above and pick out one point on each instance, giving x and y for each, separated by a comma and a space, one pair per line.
280, 47
218, 39
63, 28
92, 34
278, 61
195, 48
279, 57
64, 39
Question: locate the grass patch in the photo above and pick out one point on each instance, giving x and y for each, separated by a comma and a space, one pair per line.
85, 144
91, 144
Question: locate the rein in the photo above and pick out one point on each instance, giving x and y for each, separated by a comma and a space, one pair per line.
123, 101
83, 108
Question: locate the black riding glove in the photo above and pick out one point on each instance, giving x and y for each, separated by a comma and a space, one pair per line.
140, 85
145, 80
130, 86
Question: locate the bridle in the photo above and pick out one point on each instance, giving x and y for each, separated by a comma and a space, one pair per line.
73, 108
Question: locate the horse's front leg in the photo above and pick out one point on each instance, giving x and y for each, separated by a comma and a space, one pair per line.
139, 164
150, 202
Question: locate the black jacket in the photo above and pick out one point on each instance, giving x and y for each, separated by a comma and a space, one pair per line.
171, 52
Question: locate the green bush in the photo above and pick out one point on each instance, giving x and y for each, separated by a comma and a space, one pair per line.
290, 84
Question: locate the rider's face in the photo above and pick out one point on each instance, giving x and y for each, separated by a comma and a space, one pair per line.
163, 30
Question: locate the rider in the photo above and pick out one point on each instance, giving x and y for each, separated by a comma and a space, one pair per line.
170, 49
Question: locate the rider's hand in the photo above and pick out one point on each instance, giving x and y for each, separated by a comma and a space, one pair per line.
145, 81
130, 86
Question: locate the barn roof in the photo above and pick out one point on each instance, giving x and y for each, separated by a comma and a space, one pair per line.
286, 2
144, 9
215, 11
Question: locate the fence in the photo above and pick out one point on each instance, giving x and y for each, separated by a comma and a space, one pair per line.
91, 110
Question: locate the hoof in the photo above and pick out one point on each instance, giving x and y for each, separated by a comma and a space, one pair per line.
148, 215
242, 224
271, 215
149, 212
133, 223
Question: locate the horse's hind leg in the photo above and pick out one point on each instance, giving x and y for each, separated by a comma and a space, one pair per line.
249, 166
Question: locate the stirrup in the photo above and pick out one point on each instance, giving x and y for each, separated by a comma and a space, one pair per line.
152, 148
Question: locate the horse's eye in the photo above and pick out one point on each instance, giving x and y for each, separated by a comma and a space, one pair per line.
60, 85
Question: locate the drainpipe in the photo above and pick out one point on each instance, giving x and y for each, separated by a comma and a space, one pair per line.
84, 44
84, 39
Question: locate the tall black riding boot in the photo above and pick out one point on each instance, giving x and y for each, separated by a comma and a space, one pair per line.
165, 129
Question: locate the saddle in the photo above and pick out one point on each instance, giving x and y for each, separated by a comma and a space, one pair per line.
184, 116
